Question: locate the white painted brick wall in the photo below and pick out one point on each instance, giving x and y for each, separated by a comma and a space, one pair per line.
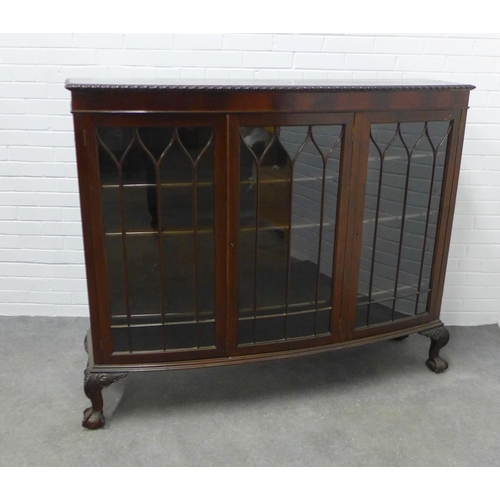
41, 257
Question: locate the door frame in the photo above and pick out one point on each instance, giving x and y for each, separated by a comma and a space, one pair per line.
363, 121
92, 221
236, 121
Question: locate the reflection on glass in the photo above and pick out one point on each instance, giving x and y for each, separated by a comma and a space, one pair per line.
403, 192
288, 198
158, 218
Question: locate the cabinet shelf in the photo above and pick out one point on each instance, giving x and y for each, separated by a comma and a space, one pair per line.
266, 226
139, 320
404, 158
201, 184
298, 308
181, 231
287, 180
388, 295
389, 218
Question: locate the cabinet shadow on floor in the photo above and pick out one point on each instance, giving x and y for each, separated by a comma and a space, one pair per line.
336, 372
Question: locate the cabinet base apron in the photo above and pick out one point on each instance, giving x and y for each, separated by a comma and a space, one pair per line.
98, 378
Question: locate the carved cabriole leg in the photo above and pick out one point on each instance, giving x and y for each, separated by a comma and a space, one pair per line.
94, 383
439, 338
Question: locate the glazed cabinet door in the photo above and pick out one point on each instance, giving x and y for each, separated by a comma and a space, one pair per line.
407, 172
288, 197
153, 195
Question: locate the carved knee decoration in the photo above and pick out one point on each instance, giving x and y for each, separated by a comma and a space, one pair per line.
94, 383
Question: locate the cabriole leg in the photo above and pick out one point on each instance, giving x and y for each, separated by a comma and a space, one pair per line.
439, 338
94, 383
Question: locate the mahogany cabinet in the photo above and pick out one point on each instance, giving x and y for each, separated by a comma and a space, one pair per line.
227, 222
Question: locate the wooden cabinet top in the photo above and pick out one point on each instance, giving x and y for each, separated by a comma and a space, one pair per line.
269, 85
235, 96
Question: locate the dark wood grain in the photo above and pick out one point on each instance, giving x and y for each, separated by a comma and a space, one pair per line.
225, 107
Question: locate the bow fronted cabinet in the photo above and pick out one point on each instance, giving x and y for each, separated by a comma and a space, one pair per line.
227, 222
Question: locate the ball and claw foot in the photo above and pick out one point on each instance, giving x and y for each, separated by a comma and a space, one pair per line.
437, 365
94, 383
439, 338
92, 419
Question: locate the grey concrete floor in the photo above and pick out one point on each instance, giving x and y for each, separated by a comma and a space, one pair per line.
375, 405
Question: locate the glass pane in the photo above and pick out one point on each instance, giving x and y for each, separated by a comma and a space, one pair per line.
116, 277
111, 210
142, 274
288, 197
402, 196
140, 208
177, 210
158, 217
112, 146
